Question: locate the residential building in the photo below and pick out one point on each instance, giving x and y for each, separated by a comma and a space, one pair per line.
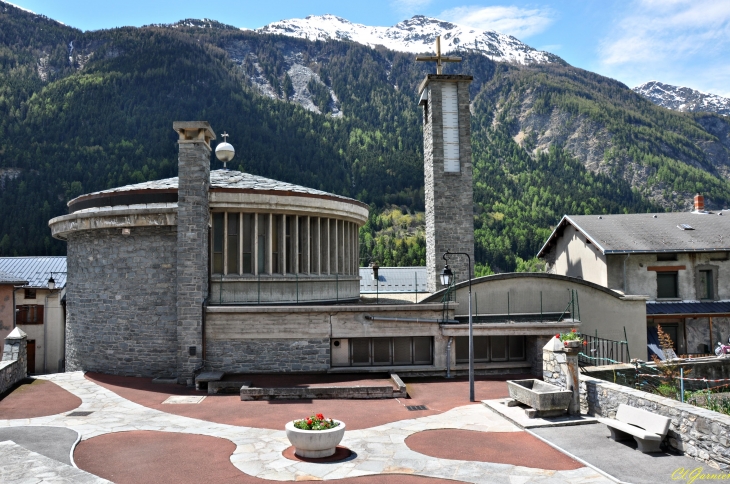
8, 282
680, 261
39, 309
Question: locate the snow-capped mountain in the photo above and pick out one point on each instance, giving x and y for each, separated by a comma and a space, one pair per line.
416, 35
683, 98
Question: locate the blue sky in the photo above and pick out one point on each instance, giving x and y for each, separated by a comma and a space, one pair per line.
681, 42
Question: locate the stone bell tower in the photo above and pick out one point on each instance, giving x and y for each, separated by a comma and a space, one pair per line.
447, 170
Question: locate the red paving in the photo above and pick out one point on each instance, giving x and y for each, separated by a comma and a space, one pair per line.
341, 453
162, 457
516, 448
438, 394
37, 398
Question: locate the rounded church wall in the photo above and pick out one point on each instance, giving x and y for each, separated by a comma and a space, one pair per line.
121, 301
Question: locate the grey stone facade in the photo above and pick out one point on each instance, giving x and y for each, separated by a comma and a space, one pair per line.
120, 299
14, 364
449, 196
268, 355
192, 243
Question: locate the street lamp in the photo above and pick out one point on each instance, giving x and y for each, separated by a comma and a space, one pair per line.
446, 278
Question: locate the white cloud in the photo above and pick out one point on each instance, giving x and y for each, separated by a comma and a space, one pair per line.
515, 21
684, 40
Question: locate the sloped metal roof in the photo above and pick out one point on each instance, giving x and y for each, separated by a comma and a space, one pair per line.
710, 307
393, 279
650, 232
6, 278
36, 270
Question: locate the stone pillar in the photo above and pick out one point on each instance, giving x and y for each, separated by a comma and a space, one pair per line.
448, 174
192, 242
560, 367
15, 350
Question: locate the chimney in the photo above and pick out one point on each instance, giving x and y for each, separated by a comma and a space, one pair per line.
192, 242
699, 203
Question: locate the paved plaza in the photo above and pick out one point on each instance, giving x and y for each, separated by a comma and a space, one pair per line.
101, 428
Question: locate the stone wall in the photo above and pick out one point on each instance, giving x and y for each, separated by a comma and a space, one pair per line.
268, 355
695, 431
14, 364
120, 301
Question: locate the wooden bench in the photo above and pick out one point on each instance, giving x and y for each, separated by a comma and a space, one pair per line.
646, 428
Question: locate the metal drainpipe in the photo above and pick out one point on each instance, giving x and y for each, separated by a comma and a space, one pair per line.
45, 333
626, 291
448, 358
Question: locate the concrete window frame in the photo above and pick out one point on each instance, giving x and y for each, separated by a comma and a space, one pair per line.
714, 275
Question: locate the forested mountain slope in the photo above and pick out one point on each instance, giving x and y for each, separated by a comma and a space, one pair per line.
337, 116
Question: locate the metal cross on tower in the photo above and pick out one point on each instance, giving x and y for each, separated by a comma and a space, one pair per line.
438, 58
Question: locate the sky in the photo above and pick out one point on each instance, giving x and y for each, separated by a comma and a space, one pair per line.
679, 42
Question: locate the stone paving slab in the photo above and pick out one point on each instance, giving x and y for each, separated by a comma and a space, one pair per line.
517, 416
182, 399
379, 449
20, 465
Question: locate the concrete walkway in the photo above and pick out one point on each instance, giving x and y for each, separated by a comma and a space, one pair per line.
258, 452
592, 444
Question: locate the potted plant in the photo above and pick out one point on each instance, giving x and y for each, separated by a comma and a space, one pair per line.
573, 339
315, 436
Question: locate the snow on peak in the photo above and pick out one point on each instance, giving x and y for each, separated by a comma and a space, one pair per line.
683, 98
414, 35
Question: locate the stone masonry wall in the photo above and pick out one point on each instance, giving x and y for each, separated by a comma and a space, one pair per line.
192, 252
449, 196
695, 431
121, 316
268, 355
14, 364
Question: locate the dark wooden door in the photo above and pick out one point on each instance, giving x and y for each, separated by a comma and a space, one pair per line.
31, 356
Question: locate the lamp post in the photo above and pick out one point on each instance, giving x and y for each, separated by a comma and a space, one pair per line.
376, 268
446, 279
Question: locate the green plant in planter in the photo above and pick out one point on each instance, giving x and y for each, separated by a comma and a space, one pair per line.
315, 422
572, 335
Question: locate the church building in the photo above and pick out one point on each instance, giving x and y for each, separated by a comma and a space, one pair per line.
229, 271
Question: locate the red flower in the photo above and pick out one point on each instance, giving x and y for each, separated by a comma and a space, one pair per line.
320, 416
585, 343
557, 336
573, 330
309, 421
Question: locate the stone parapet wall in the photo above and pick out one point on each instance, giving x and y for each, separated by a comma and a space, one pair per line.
695, 431
268, 355
553, 368
14, 364
120, 301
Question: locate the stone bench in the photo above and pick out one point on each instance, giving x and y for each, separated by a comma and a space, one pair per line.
647, 429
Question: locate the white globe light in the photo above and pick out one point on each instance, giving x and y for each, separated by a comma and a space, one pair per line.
224, 152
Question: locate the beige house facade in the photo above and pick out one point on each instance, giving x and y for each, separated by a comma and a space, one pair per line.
37, 309
678, 261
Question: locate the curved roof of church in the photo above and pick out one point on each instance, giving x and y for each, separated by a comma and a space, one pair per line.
219, 180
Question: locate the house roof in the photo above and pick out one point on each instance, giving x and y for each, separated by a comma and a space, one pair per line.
649, 232
671, 308
393, 279
165, 190
6, 278
36, 270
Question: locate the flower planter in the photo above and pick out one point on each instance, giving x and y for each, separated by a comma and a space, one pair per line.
315, 444
576, 343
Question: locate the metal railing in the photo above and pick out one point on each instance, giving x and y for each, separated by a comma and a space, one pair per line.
601, 351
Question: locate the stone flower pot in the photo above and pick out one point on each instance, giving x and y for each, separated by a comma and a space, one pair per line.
315, 443
576, 343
